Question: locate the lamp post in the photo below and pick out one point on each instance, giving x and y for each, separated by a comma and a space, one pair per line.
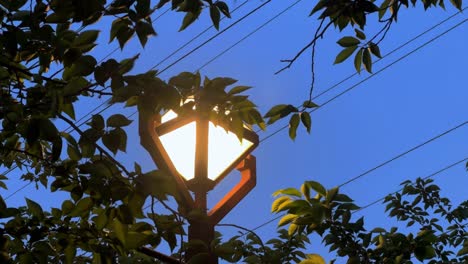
199, 154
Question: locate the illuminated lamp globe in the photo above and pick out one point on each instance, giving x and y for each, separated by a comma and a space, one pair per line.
224, 148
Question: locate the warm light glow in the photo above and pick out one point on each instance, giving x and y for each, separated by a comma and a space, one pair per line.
180, 146
223, 148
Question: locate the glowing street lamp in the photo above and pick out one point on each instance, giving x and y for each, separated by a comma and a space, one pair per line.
199, 154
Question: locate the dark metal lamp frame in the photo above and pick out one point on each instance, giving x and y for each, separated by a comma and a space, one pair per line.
151, 128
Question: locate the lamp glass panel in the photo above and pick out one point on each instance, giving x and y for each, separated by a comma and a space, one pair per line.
180, 146
223, 149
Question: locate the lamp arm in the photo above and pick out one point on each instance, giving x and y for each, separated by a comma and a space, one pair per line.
248, 181
150, 141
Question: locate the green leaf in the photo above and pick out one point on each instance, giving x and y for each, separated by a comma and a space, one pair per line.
101, 220
275, 206
293, 124
223, 7
375, 50
281, 110
85, 38
286, 219
306, 120
457, 4
463, 251
84, 66
126, 65
360, 34
367, 60
67, 206
378, 230
292, 229
135, 240
97, 122
317, 187
75, 86
344, 54
215, 16
144, 30
120, 231
358, 61
35, 209
331, 194
189, 18
82, 207
118, 120
348, 41
70, 253
288, 191
115, 140
342, 198
309, 104
238, 89
313, 259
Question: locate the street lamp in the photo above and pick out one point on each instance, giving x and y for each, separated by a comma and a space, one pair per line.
199, 153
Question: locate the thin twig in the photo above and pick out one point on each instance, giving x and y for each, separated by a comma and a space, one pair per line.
158, 255
312, 64
291, 61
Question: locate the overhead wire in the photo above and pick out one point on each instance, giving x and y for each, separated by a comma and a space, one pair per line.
399, 155
250, 34
69, 128
172, 64
370, 76
424, 178
187, 54
432, 175
348, 77
404, 152
213, 37
194, 38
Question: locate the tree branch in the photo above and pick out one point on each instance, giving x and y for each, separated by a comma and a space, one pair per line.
291, 61
158, 255
312, 64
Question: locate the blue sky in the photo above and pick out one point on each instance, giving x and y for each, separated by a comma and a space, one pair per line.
410, 102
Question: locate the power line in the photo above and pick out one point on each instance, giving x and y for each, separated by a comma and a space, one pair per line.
70, 129
213, 37
378, 200
393, 51
403, 154
424, 178
194, 38
248, 35
369, 77
108, 100
184, 56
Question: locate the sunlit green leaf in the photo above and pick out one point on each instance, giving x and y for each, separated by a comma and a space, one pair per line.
344, 54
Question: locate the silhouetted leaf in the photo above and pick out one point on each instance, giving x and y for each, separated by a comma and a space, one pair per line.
358, 61
215, 16
344, 54
35, 209
118, 120
306, 120
375, 50
367, 60
293, 124
348, 41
